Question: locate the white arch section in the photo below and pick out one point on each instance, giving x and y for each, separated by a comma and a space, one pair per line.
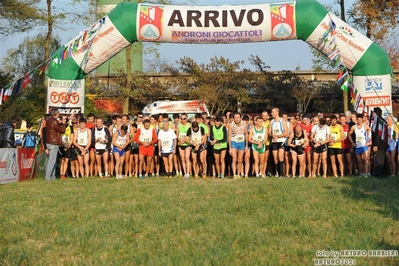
307, 20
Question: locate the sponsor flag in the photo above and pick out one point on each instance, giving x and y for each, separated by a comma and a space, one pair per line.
380, 126
27, 80
8, 91
332, 42
337, 63
389, 134
365, 108
65, 55
42, 69
333, 54
370, 117
352, 93
18, 85
358, 100
342, 75
384, 131
375, 123
346, 85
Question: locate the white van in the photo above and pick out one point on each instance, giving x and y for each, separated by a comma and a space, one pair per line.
176, 107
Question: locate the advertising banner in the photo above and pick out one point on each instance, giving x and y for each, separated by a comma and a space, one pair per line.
96, 45
26, 160
375, 92
19, 135
40, 162
66, 95
347, 42
8, 166
216, 24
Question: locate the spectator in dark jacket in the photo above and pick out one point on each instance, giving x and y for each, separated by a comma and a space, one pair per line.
7, 134
380, 146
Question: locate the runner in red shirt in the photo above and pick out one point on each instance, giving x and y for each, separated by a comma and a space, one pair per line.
90, 124
346, 144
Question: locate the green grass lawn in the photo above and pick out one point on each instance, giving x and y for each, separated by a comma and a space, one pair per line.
161, 221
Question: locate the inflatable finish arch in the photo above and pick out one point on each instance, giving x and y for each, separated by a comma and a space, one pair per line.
129, 22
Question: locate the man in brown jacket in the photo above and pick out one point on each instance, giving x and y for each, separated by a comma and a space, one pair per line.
54, 129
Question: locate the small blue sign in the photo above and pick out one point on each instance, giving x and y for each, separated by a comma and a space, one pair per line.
373, 84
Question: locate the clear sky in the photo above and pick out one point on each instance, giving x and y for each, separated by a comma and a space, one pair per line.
282, 55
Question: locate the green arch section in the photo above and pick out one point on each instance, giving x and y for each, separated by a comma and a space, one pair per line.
307, 20
309, 14
124, 18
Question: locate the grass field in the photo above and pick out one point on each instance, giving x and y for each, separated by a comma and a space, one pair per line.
202, 222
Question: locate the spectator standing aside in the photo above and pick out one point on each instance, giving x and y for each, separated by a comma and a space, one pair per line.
54, 129
380, 147
7, 133
30, 137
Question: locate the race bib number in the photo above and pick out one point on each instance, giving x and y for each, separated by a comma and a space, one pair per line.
320, 139
81, 141
259, 138
197, 140
146, 139
182, 135
276, 131
360, 139
333, 136
65, 140
166, 143
299, 142
345, 134
240, 138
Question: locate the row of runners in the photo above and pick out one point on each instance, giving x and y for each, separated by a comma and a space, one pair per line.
231, 145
